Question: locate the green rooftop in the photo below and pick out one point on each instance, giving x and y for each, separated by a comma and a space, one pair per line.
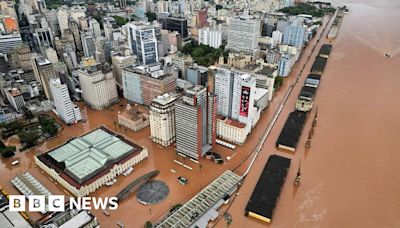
84, 157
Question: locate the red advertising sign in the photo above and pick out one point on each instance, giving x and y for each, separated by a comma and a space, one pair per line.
245, 101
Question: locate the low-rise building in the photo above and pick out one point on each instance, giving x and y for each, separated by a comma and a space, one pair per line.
231, 130
134, 118
86, 163
69, 218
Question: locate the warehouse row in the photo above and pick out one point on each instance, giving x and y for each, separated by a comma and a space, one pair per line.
291, 132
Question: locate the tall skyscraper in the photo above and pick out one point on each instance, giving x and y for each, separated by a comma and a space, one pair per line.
162, 119
235, 92
243, 34
143, 41
94, 27
65, 109
195, 116
223, 90
88, 44
44, 71
243, 110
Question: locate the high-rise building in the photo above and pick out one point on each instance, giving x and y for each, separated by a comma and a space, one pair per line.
243, 110
94, 27
210, 37
223, 90
243, 34
119, 62
197, 75
65, 109
51, 55
44, 71
22, 57
15, 98
43, 37
9, 42
143, 41
88, 44
98, 86
162, 119
294, 33
235, 92
74, 27
195, 116
143, 84
178, 24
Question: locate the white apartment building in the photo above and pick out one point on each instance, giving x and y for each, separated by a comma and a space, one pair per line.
243, 34
162, 120
210, 37
99, 89
64, 107
223, 90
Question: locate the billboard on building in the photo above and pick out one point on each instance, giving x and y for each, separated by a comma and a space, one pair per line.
245, 101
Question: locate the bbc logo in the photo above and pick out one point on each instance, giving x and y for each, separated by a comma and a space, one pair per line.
37, 203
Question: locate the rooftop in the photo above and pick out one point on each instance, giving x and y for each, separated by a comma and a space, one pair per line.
201, 203
164, 99
80, 160
135, 113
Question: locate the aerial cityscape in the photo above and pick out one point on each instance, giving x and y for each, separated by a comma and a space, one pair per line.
199, 113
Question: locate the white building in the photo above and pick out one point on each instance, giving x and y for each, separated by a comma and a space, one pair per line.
223, 91
51, 55
243, 34
94, 27
210, 37
64, 107
99, 89
243, 110
277, 38
162, 120
231, 130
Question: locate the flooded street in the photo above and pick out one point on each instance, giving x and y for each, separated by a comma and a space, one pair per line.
350, 174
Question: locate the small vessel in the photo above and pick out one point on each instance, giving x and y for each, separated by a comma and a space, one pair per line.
388, 55
298, 176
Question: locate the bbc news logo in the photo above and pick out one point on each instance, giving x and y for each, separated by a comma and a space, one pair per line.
56, 203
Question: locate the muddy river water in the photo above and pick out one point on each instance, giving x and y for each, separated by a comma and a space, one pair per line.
350, 173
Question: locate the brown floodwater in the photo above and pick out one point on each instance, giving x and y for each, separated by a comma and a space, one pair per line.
350, 174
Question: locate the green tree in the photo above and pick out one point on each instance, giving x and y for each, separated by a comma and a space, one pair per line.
48, 125
120, 20
148, 224
151, 16
6, 151
278, 82
29, 138
28, 114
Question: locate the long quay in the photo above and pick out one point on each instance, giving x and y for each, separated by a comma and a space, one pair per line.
199, 210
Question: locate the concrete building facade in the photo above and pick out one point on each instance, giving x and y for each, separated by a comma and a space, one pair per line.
162, 120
